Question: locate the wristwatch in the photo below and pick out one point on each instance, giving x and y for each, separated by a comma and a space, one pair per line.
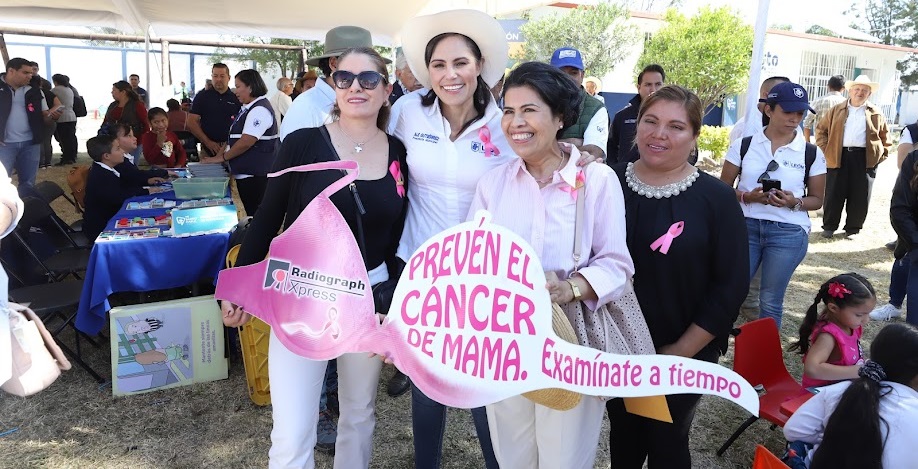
575, 289
797, 206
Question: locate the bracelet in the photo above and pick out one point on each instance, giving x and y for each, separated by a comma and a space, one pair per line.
742, 198
224, 156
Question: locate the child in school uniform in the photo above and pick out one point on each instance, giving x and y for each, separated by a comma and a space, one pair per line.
110, 183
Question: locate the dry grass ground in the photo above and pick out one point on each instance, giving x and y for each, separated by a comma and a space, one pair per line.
77, 423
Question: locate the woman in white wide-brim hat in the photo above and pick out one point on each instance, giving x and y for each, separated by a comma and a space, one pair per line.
451, 130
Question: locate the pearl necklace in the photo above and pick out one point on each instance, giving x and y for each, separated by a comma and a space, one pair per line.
658, 192
358, 147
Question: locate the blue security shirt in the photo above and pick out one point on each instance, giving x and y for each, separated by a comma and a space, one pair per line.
217, 111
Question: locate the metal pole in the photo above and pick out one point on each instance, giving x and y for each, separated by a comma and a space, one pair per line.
146, 55
3, 51
755, 67
145, 38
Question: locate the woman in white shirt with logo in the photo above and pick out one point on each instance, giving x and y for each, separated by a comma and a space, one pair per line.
453, 137
777, 186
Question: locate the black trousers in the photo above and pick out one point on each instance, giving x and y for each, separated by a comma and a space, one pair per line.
66, 137
251, 191
851, 183
634, 439
47, 151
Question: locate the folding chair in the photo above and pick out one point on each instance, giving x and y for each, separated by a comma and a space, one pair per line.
56, 304
759, 359
69, 257
764, 459
49, 191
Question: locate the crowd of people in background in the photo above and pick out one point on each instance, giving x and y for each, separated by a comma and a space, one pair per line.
518, 143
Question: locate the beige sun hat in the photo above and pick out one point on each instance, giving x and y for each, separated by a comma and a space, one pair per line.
487, 33
557, 398
342, 38
863, 80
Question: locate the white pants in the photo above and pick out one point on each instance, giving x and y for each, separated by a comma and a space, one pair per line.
528, 435
296, 383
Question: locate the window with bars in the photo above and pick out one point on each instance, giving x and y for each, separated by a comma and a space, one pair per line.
816, 68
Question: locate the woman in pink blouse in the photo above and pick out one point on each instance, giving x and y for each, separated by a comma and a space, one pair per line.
535, 196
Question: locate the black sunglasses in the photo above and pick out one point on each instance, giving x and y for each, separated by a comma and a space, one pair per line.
368, 80
773, 165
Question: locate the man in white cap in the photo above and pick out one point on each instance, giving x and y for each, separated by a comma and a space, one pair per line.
313, 108
854, 137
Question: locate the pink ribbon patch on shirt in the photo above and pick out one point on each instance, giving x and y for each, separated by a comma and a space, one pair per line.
574, 190
665, 241
395, 169
489, 148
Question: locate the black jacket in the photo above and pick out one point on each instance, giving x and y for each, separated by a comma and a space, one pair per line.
106, 193
621, 146
33, 101
903, 209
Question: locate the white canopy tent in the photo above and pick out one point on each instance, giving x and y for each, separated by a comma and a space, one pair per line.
295, 19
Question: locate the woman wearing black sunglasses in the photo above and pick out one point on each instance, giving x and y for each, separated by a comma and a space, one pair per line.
374, 209
778, 183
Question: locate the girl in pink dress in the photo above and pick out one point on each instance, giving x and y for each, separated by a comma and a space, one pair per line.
830, 340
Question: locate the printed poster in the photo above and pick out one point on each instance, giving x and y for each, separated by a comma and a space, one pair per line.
166, 344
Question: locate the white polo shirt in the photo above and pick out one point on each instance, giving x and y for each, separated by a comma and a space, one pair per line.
791, 160
597, 132
443, 174
310, 109
257, 121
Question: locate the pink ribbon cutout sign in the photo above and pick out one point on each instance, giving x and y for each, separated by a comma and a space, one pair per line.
470, 322
490, 149
664, 242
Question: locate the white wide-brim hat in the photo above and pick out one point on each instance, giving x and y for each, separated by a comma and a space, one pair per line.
480, 27
863, 80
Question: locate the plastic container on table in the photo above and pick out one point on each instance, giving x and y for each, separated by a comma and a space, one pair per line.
200, 188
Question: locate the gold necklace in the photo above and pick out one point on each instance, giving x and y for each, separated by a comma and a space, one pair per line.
548, 178
358, 147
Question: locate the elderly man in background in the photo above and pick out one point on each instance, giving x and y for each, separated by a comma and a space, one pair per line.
281, 100
822, 104
405, 81
854, 137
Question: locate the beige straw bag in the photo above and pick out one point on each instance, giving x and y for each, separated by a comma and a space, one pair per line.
557, 398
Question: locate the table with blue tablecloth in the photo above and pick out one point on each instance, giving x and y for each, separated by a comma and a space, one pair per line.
145, 264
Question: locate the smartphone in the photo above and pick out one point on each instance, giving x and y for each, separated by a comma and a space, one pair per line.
59, 109
771, 184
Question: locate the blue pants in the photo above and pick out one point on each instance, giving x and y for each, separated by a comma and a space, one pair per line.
23, 157
911, 305
898, 280
428, 420
778, 248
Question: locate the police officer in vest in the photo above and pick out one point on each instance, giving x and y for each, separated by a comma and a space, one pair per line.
253, 141
591, 132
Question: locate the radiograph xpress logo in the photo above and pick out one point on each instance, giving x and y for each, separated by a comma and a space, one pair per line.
291, 279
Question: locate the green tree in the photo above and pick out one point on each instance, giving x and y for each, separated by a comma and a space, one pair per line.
600, 32
816, 29
286, 61
708, 53
894, 22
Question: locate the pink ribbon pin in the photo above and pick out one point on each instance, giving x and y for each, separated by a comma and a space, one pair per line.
665, 241
396, 170
573, 190
489, 148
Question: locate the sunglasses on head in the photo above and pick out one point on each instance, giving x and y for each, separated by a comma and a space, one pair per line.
368, 80
773, 165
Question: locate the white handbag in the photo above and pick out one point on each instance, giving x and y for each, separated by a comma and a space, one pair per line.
35, 359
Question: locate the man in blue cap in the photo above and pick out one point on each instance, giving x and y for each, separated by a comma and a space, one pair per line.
591, 131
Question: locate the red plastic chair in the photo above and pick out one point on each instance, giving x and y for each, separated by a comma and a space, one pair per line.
764, 459
759, 359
